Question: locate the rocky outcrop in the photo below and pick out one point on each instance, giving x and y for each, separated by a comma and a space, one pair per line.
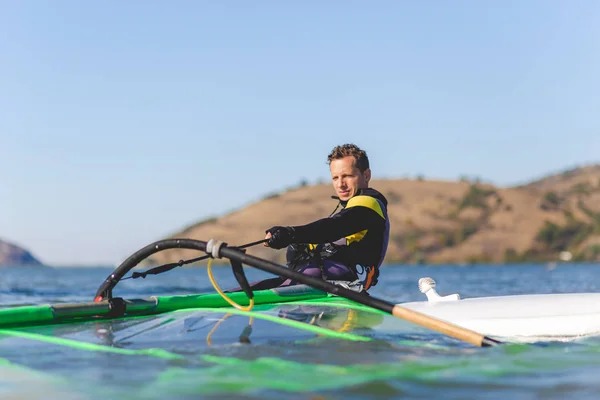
11, 254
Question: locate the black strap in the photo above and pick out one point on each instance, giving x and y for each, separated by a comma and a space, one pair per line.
245, 336
337, 206
238, 272
167, 267
161, 269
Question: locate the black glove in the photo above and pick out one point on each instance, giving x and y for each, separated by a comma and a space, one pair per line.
281, 236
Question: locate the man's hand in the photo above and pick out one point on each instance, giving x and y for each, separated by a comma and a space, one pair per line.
279, 237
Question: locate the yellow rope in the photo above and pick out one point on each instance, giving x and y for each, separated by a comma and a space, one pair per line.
351, 321
209, 336
348, 325
218, 289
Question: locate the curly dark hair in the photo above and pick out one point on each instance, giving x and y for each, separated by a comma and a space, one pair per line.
361, 161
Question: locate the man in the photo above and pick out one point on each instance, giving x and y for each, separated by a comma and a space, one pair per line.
334, 248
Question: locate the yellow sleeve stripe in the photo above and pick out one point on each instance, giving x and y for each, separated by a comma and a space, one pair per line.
357, 237
366, 201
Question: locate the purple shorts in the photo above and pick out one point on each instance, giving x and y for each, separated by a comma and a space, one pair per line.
331, 270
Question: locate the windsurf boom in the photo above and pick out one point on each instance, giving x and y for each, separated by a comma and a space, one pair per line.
218, 249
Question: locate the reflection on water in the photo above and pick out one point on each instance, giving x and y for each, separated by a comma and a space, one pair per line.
228, 355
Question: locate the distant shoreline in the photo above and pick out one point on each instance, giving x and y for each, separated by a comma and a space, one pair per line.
14, 255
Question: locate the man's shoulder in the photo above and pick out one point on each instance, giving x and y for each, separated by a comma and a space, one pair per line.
367, 201
373, 194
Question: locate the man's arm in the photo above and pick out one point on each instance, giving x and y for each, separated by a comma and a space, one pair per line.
361, 212
347, 222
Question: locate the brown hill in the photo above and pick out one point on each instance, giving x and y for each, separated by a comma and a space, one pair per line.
440, 221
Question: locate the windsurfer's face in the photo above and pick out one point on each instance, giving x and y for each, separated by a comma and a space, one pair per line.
347, 178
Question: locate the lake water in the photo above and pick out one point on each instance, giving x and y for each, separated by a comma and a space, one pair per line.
427, 365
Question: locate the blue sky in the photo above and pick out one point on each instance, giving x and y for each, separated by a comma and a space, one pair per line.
122, 122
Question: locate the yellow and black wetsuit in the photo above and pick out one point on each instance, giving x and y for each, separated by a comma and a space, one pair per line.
334, 248
356, 236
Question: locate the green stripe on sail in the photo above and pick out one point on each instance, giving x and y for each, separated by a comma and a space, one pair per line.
294, 324
80, 312
338, 302
26, 315
169, 355
91, 346
213, 300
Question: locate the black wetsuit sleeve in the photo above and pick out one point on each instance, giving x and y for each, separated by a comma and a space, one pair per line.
347, 222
